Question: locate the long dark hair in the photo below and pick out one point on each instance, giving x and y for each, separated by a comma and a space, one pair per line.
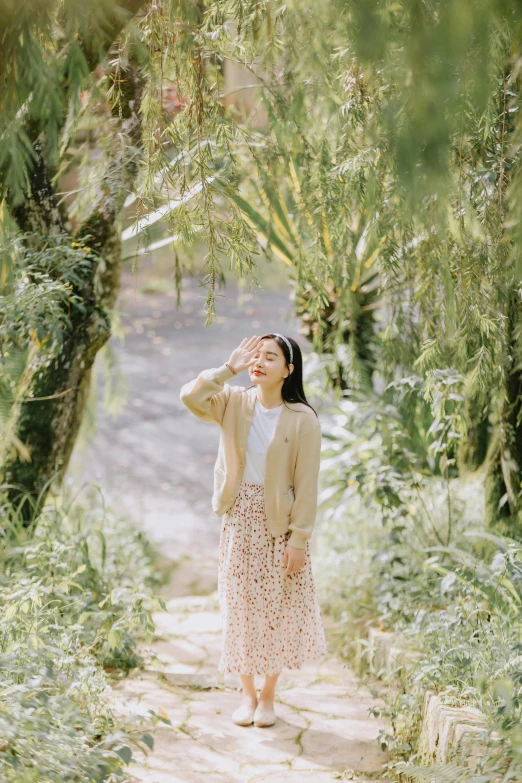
292, 389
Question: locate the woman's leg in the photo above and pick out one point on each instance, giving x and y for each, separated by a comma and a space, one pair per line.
267, 695
249, 690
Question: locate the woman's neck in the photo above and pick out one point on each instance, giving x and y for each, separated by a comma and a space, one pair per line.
269, 398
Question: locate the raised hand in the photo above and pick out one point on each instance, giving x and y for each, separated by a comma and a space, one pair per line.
244, 355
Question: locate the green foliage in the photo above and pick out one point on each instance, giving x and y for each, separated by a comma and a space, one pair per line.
38, 301
439, 773
48, 50
443, 61
403, 546
332, 175
76, 597
40, 292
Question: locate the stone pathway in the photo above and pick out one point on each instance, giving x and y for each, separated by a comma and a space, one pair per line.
154, 464
324, 730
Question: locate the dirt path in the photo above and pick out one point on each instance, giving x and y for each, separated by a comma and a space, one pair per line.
324, 730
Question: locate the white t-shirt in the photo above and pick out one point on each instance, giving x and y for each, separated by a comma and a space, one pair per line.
260, 435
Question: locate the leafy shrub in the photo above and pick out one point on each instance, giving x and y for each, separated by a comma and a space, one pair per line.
76, 597
403, 545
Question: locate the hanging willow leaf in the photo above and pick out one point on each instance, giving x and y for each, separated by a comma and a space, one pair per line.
153, 217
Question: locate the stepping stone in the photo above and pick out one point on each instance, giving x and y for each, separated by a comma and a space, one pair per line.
283, 776
195, 623
180, 755
191, 603
210, 723
196, 679
331, 700
343, 743
144, 775
178, 650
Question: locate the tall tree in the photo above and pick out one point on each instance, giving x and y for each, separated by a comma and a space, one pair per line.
50, 54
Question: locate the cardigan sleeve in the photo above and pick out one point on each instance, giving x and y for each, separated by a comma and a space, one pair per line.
306, 477
207, 395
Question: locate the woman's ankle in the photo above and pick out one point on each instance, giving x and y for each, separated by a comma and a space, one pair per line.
267, 698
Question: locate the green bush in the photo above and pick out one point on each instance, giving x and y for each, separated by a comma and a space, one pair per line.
404, 547
76, 597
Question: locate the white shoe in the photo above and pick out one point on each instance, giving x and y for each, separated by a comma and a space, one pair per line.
264, 717
243, 715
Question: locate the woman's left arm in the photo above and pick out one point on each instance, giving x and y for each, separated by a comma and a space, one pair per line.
306, 476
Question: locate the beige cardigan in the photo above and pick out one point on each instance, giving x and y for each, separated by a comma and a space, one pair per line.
292, 458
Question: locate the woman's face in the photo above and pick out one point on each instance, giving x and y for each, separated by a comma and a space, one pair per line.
270, 362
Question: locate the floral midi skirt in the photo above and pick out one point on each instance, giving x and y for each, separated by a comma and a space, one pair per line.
270, 619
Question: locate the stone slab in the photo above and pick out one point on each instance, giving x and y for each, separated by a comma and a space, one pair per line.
211, 722
179, 753
148, 775
178, 650
341, 743
444, 727
182, 625
193, 603
331, 700
283, 776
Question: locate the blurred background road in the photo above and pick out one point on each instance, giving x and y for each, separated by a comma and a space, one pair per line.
154, 461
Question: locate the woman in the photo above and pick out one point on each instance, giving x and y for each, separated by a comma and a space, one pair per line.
265, 487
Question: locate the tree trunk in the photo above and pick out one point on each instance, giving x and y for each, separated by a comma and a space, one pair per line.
497, 511
504, 475
357, 331
473, 448
47, 427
